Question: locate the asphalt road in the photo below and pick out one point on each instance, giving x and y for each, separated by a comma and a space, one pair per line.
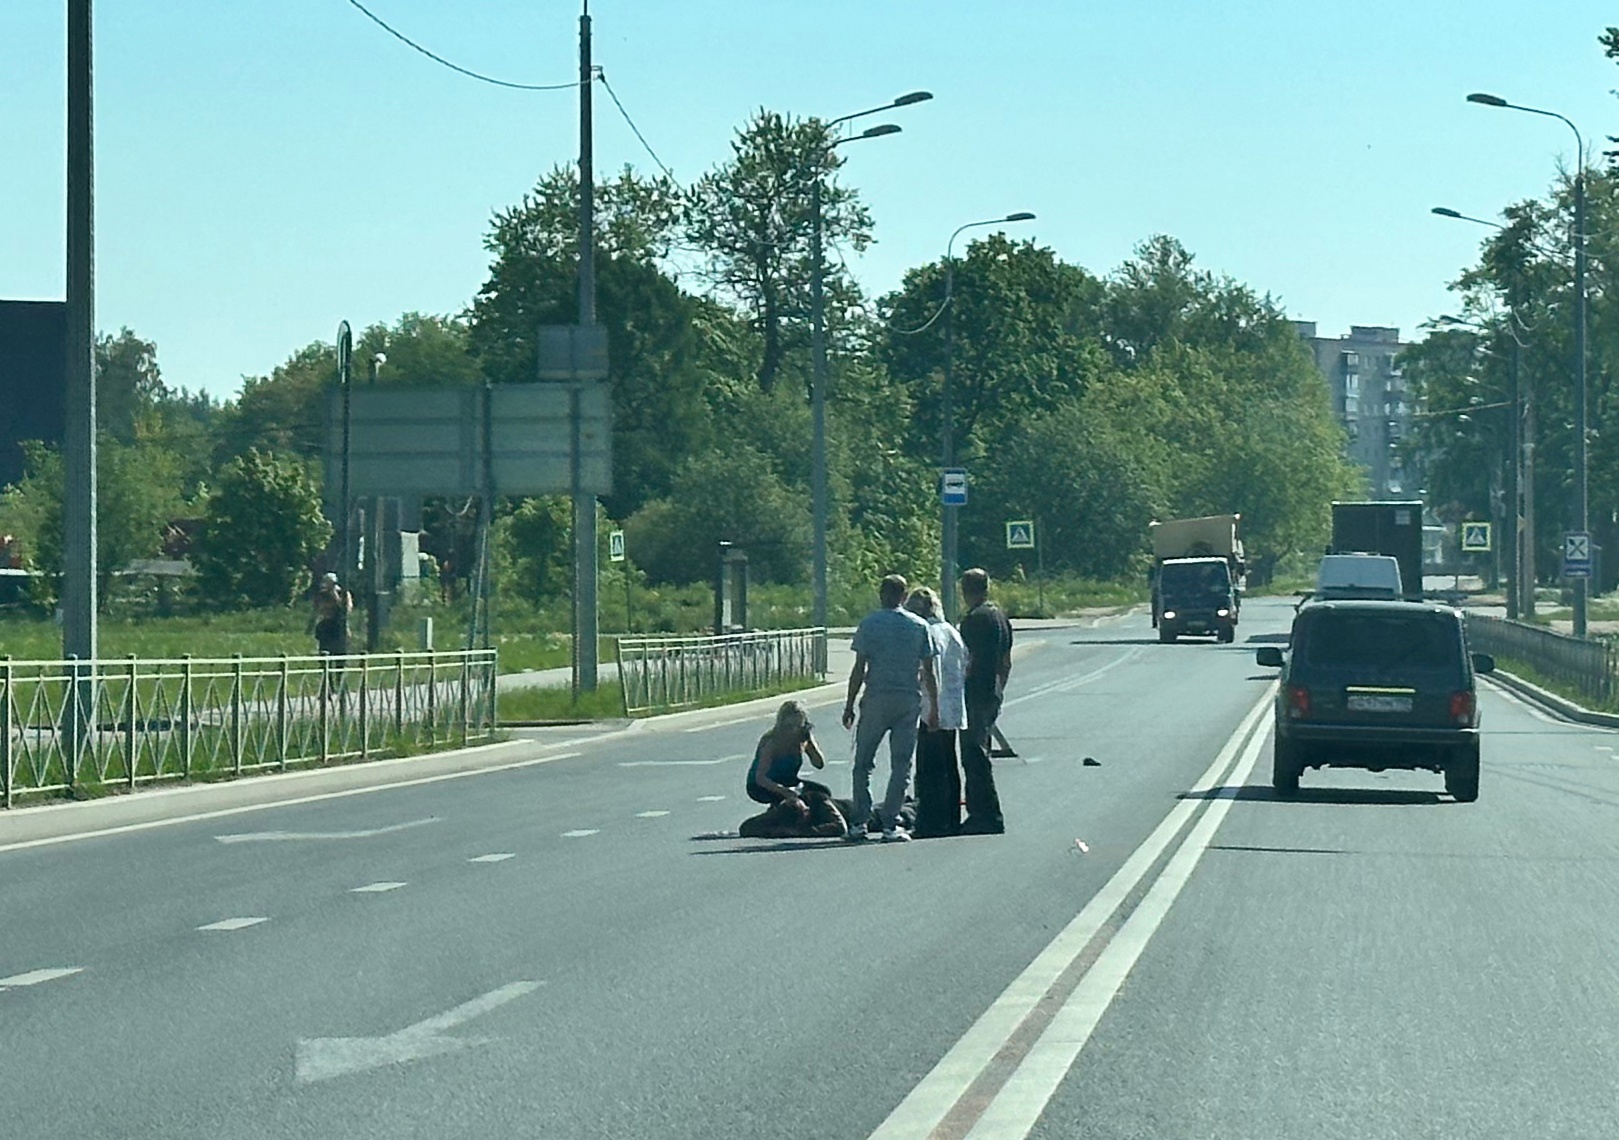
564, 950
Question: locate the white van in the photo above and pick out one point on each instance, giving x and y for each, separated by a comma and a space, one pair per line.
1359, 576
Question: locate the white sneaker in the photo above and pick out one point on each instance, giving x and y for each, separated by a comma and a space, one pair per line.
856, 834
896, 834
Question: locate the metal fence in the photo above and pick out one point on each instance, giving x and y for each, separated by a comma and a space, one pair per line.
1590, 667
662, 674
112, 723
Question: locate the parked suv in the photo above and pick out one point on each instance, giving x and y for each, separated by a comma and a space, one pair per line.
1376, 685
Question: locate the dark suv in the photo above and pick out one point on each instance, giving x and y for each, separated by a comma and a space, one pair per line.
1377, 685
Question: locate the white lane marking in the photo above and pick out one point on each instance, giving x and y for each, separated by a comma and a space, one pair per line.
709, 799
1068, 683
936, 1094
494, 857
233, 924
294, 836
581, 833
321, 1058
1014, 1110
680, 763
34, 977
723, 723
318, 797
649, 814
375, 888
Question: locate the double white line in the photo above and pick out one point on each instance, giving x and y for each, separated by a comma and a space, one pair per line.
939, 1107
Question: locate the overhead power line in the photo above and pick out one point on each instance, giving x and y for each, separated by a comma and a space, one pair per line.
602, 75
406, 40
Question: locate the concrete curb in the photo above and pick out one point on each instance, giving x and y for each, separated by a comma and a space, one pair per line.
1551, 702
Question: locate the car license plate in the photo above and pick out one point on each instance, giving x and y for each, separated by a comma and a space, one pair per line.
1379, 703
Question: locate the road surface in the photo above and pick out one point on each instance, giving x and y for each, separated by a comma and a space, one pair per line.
1156, 948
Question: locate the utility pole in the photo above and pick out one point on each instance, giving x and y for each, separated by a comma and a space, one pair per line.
584, 504
818, 492
79, 400
1582, 519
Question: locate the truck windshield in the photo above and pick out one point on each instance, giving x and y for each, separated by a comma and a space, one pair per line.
1194, 581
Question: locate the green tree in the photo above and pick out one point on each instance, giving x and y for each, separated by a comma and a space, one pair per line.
657, 361
751, 219
261, 529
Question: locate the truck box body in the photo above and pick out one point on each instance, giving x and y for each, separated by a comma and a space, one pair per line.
1211, 536
1393, 528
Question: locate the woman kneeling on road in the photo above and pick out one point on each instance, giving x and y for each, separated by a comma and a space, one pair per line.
796, 806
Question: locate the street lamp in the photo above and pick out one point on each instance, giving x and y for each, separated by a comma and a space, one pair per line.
1581, 515
947, 432
818, 491
345, 369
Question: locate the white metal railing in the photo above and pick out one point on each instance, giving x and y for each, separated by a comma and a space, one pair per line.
663, 674
124, 722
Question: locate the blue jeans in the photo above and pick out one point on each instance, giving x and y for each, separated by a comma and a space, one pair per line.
894, 714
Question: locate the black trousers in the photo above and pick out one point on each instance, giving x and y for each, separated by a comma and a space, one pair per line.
938, 782
983, 805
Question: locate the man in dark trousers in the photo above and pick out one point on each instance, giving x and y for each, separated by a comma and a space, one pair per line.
988, 636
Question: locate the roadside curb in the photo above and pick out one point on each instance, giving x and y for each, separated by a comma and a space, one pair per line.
1550, 701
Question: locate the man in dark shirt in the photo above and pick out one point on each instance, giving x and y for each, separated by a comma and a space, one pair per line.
988, 636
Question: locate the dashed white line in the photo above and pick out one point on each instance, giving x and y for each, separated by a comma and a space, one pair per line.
580, 833
649, 814
493, 857
709, 799
34, 977
679, 763
233, 923
375, 888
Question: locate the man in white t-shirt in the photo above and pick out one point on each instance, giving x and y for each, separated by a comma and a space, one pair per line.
938, 778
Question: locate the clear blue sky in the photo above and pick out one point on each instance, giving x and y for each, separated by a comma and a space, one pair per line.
267, 169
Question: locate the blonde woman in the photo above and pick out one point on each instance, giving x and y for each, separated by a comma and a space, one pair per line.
938, 778
773, 777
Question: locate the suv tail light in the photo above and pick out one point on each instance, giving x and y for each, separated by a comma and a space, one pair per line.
1461, 707
1298, 701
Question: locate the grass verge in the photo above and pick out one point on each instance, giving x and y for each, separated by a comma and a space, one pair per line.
1563, 689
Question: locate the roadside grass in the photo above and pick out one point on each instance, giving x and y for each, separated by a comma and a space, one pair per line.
1563, 689
517, 706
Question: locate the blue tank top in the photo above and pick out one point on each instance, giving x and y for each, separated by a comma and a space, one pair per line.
783, 768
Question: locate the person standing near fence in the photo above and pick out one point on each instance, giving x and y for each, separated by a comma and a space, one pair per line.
332, 608
988, 637
891, 649
938, 779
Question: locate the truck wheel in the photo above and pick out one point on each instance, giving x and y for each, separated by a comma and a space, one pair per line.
1227, 634
1285, 768
1166, 634
1461, 774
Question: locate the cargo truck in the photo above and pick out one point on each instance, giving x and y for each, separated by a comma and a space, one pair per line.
1393, 528
1212, 536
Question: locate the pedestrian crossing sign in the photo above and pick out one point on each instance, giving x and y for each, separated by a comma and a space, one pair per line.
1020, 534
615, 546
1475, 536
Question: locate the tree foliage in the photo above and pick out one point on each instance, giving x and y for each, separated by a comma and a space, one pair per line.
261, 529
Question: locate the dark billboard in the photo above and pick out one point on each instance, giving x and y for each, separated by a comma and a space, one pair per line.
33, 376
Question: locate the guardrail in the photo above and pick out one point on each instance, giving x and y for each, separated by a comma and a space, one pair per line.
663, 674
1590, 667
112, 723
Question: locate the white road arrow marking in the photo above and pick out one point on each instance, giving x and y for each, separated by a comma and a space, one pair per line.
650, 814
322, 1058
298, 836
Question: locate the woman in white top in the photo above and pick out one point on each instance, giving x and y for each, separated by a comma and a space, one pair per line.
938, 778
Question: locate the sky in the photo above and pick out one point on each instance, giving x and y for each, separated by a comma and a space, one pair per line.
266, 170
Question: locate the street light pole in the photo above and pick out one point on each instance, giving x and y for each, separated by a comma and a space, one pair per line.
1581, 502
345, 369
818, 461
947, 415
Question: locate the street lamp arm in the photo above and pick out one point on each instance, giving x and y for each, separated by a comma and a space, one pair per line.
902, 101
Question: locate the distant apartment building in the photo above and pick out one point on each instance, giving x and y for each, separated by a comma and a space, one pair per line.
1371, 401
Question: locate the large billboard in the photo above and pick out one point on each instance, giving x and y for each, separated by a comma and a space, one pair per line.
33, 376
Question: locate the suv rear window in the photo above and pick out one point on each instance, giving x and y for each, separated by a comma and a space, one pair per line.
1383, 640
